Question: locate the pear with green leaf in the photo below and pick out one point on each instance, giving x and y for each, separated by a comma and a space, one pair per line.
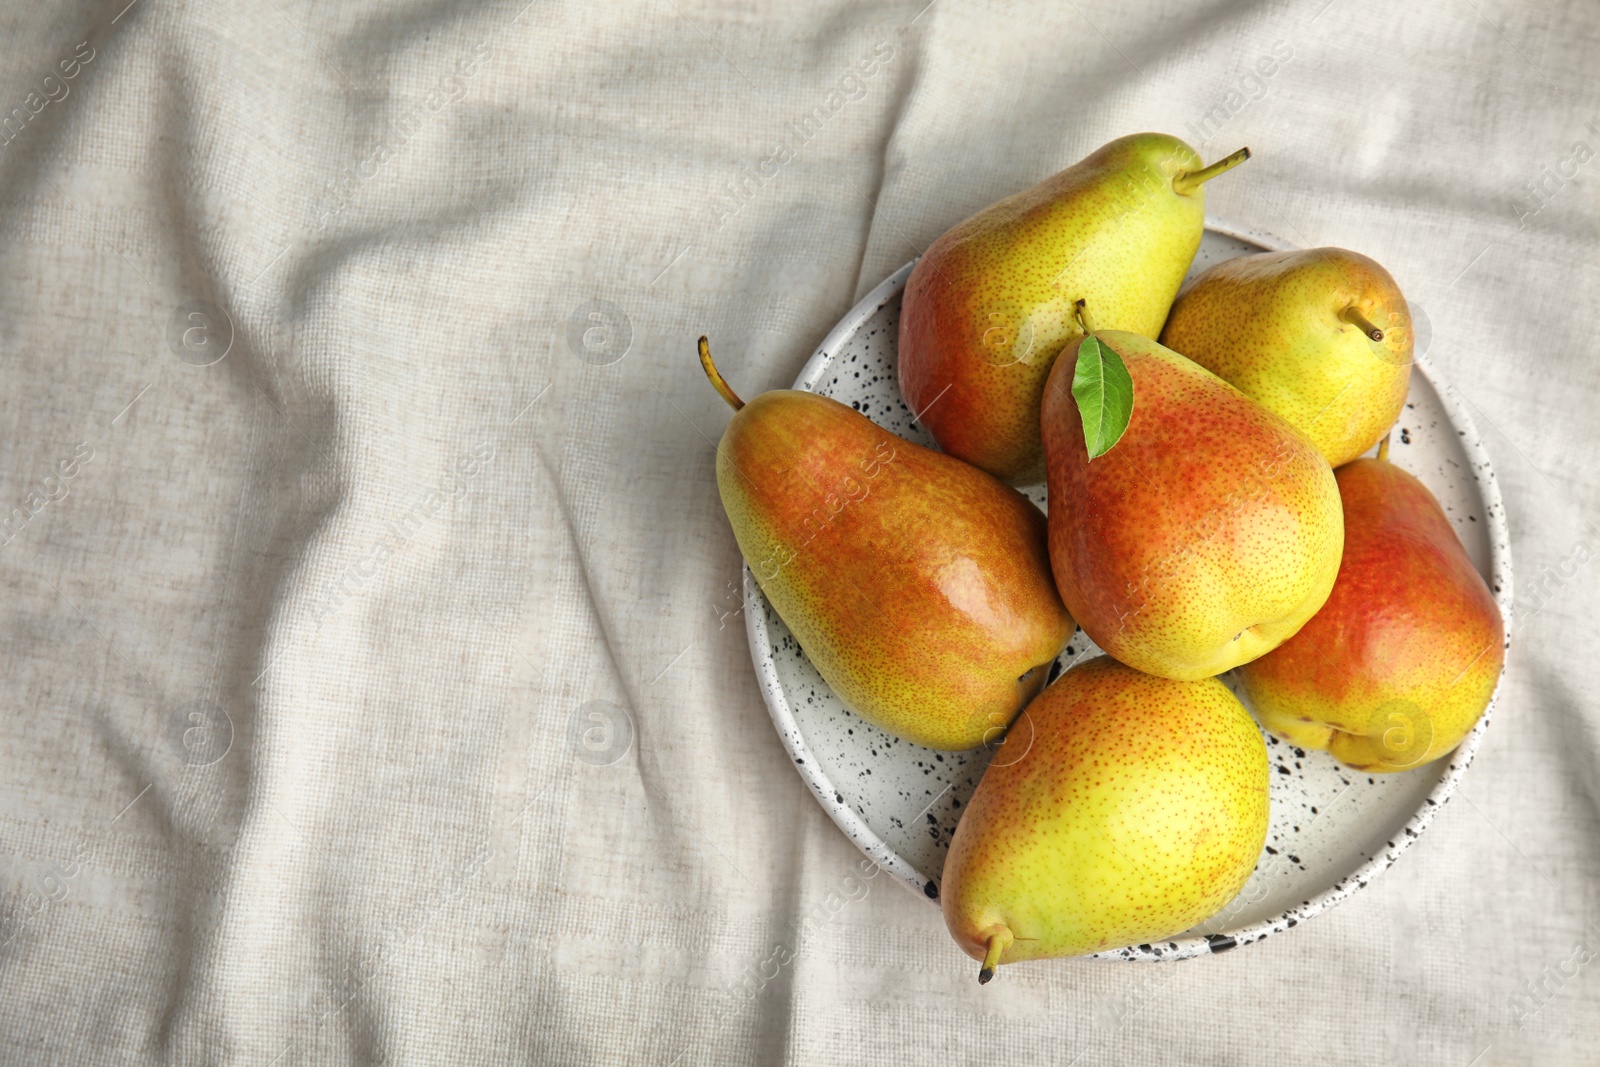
989, 306
1191, 529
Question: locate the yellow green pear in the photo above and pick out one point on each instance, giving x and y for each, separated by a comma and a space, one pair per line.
990, 305
1205, 537
918, 586
1138, 810
1321, 336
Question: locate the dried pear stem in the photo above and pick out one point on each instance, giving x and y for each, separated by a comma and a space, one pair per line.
999, 941
1186, 182
1080, 312
1359, 321
716, 377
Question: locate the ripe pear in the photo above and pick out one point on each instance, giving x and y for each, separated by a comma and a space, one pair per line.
1400, 662
1138, 810
990, 305
918, 585
1294, 331
1208, 535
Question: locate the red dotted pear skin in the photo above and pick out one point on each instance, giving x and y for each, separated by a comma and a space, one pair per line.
1205, 537
1138, 811
990, 304
1401, 661
917, 585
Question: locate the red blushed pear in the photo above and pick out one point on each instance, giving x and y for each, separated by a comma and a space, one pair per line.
918, 585
990, 305
1402, 660
1205, 536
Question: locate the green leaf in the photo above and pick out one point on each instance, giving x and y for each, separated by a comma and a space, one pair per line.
1104, 392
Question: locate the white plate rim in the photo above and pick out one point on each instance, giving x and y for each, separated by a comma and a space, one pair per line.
876, 849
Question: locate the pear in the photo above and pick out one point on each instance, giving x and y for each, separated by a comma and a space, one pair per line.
989, 306
1294, 331
1138, 810
1206, 537
917, 585
1401, 661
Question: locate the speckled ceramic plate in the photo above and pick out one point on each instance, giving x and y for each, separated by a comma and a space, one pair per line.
1332, 830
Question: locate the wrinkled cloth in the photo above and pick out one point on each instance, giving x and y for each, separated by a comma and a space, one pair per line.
375, 680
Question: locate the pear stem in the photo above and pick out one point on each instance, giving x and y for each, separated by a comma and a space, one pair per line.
1383, 449
716, 377
1080, 311
999, 941
1354, 317
1186, 182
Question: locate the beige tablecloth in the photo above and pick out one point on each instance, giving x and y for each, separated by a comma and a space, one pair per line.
356, 459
